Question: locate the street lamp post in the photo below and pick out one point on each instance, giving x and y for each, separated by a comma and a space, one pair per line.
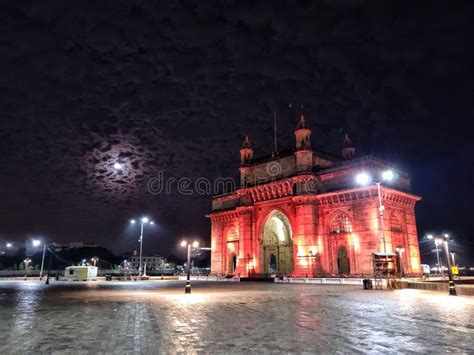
184, 243
365, 179
436, 242
143, 221
27, 261
42, 261
37, 243
452, 288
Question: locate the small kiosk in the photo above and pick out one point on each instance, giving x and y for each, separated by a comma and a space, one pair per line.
385, 268
80, 273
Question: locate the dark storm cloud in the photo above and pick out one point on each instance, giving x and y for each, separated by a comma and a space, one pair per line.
175, 86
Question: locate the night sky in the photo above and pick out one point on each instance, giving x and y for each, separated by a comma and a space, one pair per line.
175, 86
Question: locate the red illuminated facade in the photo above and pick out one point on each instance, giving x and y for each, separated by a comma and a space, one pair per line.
301, 213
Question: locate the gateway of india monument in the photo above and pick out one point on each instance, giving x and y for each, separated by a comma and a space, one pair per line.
305, 213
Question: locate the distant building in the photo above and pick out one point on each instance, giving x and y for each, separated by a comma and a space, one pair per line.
301, 212
74, 245
152, 262
77, 245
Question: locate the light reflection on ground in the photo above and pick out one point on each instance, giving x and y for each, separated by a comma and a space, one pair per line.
157, 317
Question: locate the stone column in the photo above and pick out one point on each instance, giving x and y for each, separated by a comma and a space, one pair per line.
245, 255
366, 233
304, 238
412, 236
217, 259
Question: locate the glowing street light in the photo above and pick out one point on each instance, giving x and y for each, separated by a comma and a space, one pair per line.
9, 245
27, 261
143, 221
195, 244
37, 243
437, 241
365, 179
388, 175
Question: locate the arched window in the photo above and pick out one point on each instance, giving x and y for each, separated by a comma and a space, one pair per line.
395, 224
340, 224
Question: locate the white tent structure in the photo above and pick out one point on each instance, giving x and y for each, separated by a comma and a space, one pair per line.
80, 273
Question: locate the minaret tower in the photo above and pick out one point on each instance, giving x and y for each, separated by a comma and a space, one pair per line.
246, 155
348, 149
303, 153
246, 151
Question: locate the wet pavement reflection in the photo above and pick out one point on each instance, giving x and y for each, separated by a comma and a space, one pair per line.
157, 317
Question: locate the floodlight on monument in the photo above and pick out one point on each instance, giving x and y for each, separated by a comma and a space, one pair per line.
363, 179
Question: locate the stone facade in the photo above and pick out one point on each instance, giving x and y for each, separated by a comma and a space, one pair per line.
300, 212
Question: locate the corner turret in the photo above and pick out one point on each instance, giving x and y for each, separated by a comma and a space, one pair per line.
302, 135
303, 153
348, 149
246, 151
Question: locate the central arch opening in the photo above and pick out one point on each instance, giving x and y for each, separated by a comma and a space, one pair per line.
272, 264
277, 244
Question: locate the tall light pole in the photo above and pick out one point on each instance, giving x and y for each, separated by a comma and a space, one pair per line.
42, 261
452, 288
27, 261
37, 243
437, 241
187, 288
143, 221
365, 179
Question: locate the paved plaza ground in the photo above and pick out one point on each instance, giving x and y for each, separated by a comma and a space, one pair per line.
157, 317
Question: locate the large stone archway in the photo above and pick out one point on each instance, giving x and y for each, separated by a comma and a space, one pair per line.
277, 245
